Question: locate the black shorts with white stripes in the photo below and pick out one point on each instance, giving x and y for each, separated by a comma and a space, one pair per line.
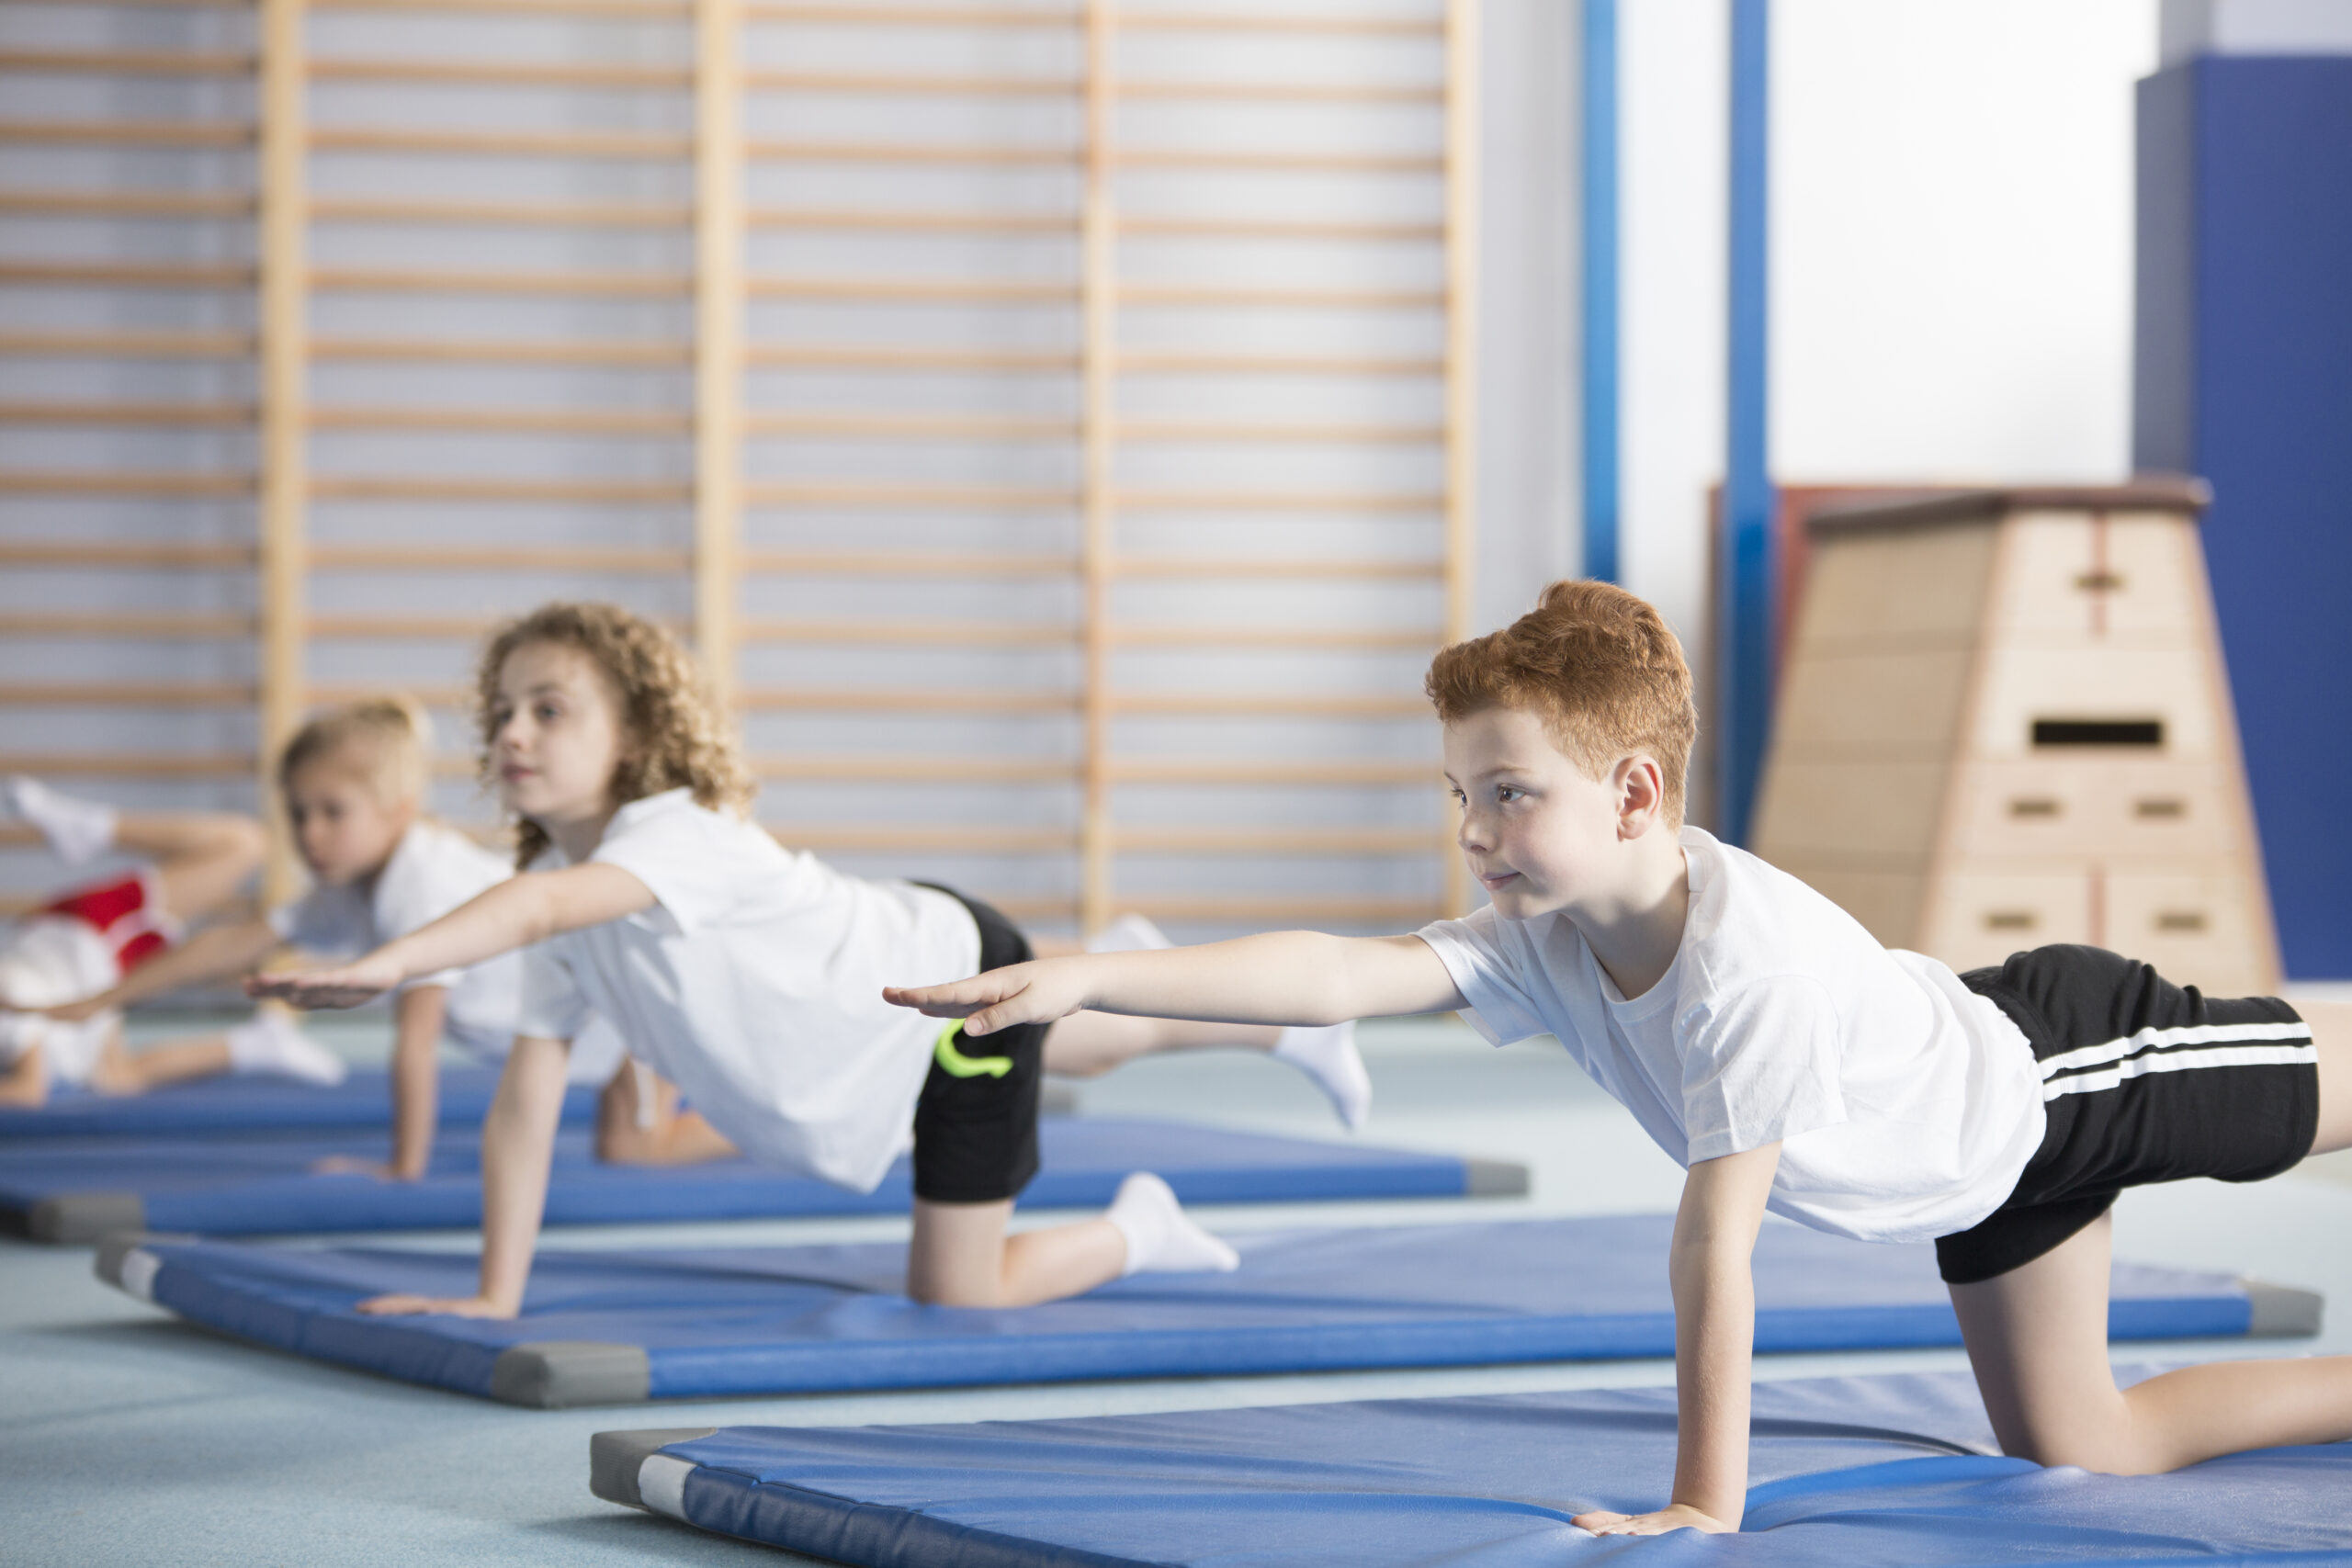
2144, 1081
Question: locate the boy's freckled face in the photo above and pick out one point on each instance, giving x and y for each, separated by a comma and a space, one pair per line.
344, 832
1535, 828
557, 735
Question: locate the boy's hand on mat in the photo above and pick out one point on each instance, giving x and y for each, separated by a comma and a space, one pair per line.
1680, 1517
449, 1306
1035, 992
344, 985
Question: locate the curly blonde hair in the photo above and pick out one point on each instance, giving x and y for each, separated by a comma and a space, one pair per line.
673, 738
1601, 668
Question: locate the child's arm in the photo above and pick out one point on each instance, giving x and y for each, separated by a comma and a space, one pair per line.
515, 913
1293, 978
1714, 1340
418, 1018
210, 954
517, 1142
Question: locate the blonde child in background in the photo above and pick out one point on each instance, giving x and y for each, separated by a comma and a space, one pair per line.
92, 939
752, 977
354, 783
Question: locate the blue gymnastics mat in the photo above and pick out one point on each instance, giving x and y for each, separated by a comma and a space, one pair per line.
612, 1327
1899, 1471
77, 1191
240, 1105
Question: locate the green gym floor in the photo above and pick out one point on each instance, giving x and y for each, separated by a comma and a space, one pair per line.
128, 1438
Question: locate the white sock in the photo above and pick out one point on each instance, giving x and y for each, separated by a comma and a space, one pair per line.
1128, 933
1162, 1238
269, 1042
77, 829
1328, 1056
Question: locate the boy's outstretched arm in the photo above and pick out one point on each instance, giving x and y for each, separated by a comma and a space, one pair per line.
1288, 977
518, 1145
1714, 1341
515, 913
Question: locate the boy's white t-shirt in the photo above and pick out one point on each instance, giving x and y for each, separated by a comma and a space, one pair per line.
433, 870
754, 984
1905, 1105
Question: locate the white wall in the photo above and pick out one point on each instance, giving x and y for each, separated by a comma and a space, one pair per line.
1951, 237
1673, 59
1951, 253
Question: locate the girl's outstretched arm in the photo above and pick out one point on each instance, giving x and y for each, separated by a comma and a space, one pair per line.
515, 913
518, 1145
1292, 977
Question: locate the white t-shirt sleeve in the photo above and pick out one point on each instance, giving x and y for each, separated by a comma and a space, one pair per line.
553, 1006
681, 857
407, 902
1761, 1066
323, 920
1474, 954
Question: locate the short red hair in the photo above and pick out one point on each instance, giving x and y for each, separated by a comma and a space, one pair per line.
1601, 668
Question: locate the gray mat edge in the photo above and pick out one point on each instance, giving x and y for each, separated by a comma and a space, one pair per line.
1494, 1179
2282, 1312
557, 1374
616, 1458
68, 1219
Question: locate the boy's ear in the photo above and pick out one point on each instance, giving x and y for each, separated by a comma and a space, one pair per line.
1641, 794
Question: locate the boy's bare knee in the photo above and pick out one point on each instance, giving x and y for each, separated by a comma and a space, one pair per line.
954, 1293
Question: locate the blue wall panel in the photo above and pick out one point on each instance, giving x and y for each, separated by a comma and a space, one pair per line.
2245, 376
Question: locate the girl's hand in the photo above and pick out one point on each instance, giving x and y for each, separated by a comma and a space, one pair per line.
1680, 1517
1036, 992
458, 1306
344, 985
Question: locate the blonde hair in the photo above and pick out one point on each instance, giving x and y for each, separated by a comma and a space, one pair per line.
388, 739
1601, 668
673, 740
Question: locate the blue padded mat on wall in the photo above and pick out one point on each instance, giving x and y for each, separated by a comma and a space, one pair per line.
237, 1105
1885, 1469
604, 1327
77, 1191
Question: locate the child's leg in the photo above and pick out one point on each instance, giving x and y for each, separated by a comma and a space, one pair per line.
2037, 1338
24, 1083
638, 1122
2330, 1026
1088, 1044
200, 858
961, 1256
119, 1071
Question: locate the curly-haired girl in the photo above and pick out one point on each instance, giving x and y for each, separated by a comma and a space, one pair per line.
752, 977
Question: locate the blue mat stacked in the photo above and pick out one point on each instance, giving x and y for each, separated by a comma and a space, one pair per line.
608, 1327
77, 1190
1849, 1470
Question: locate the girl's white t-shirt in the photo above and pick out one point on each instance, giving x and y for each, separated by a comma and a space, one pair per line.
754, 984
1905, 1105
433, 870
